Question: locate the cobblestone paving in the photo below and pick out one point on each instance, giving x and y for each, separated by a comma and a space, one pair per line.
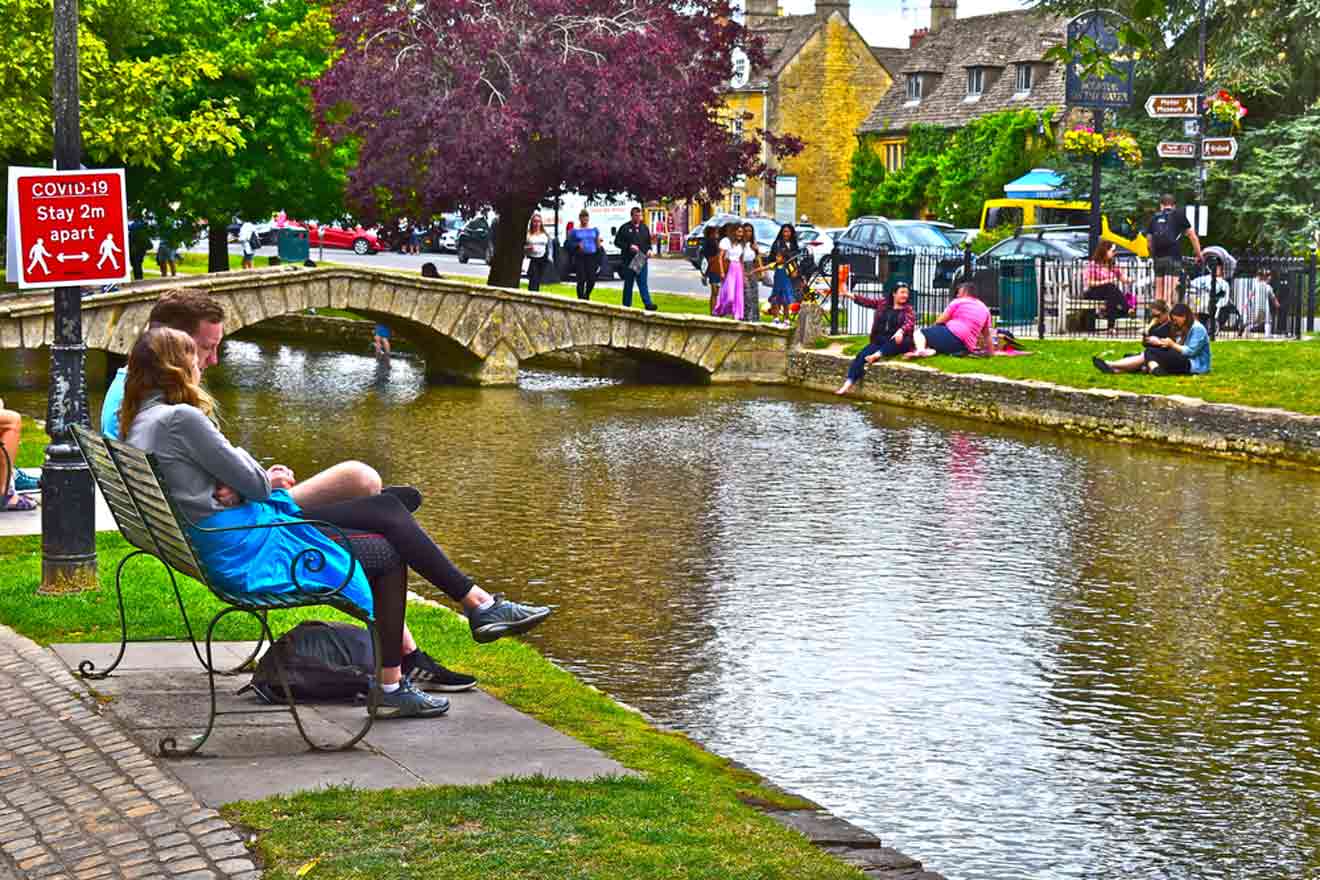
79, 800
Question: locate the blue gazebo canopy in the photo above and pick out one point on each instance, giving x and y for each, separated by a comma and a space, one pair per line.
1038, 183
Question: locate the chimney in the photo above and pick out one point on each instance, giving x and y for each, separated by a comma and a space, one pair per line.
941, 13
759, 12
824, 8
917, 36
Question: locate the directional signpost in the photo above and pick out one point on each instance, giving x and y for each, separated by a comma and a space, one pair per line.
1176, 150
71, 227
1219, 148
1171, 106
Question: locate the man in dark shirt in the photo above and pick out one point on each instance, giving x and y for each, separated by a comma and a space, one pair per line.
1164, 235
634, 243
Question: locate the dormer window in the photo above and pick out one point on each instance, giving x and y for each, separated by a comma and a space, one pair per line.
1023, 81
914, 87
975, 82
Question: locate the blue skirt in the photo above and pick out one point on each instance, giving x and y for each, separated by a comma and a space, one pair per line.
783, 292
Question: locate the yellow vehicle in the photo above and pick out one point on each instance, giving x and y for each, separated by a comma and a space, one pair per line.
1040, 212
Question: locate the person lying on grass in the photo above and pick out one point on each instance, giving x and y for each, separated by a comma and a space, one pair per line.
1184, 351
964, 328
166, 412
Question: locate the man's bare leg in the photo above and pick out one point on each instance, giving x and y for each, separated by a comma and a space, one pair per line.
342, 482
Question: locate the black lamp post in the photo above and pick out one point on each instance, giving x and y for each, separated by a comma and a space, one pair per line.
68, 508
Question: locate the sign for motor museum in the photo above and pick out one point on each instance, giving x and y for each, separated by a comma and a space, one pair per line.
69, 228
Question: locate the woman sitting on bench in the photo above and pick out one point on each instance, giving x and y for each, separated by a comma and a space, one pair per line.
167, 412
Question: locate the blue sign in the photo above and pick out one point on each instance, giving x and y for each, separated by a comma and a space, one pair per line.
1114, 90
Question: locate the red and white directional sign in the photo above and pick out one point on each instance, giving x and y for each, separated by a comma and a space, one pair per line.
1219, 148
71, 226
1176, 150
1171, 106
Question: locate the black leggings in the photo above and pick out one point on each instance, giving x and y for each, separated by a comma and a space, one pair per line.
586, 266
1170, 360
1115, 301
535, 272
388, 542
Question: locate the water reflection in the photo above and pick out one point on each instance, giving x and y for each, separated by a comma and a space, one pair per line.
1008, 655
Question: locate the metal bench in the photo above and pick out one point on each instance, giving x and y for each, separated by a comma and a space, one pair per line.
137, 496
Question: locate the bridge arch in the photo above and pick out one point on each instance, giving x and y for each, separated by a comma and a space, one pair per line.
472, 332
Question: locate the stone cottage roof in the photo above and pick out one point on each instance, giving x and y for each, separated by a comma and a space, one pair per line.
995, 41
891, 59
784, 37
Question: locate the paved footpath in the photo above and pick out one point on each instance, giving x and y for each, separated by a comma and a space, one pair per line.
79, 800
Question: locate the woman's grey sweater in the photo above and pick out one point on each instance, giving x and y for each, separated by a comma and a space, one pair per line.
194, 457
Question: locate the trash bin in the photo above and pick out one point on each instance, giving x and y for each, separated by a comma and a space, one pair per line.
1017, 291
293, 247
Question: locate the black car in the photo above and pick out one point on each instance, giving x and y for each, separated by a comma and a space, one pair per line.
476, 240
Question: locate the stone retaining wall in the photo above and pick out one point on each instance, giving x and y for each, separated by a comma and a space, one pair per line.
1225, 430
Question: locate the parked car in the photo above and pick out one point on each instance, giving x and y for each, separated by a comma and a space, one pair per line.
476, 240
360, 241
692, 244
961, 237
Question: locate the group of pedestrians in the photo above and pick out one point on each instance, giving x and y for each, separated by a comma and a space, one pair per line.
585, 249
158, 403
736, 265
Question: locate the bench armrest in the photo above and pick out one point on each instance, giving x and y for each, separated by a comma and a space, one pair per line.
313, 558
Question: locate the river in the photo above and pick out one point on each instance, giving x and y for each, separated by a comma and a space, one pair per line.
1010, 655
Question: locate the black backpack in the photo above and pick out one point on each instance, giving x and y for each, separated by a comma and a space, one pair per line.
323, 661
1163, 233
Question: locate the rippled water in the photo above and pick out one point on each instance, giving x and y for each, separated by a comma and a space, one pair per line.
1009, 655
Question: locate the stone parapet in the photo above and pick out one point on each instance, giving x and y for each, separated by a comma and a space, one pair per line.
1224, 430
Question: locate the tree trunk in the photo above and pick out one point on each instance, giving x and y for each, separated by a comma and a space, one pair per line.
217, 240
510, 239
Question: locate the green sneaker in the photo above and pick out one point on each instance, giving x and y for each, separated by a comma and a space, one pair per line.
25, 482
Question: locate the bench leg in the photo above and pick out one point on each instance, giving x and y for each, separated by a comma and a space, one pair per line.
373, 699
169, 746
87, 669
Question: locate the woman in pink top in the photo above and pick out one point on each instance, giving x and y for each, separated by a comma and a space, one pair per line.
1103, 278
964, 328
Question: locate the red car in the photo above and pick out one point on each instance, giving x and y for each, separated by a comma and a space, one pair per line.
357, 239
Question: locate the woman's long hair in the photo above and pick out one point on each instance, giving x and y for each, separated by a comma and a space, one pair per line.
1184, 311
163, 360
1103, 253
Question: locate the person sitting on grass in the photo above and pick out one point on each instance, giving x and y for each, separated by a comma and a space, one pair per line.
166, 412
964, 328
1185, 351
12, 480
891, 331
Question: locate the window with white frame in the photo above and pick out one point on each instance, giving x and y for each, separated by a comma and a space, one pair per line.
914, 87
737, 203
975, 81
1023, 83
736, 126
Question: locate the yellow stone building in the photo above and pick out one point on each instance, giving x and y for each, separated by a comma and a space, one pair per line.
819, 82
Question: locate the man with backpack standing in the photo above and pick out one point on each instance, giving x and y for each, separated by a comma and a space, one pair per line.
247, 237
1164, 238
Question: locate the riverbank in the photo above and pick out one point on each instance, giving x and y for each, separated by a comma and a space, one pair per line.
687, 810
1273, 374
1258, 434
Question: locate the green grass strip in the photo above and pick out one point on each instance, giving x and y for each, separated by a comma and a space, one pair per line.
686, 816
1246, 372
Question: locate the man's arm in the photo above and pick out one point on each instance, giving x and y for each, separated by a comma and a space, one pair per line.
1196, 242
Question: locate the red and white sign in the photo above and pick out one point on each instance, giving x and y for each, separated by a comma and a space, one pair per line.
70, 227
1219, 148
1176, 150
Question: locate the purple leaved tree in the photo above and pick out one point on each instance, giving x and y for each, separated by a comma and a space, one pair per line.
498, 103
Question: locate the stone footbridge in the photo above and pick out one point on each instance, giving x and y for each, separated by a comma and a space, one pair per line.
470, 332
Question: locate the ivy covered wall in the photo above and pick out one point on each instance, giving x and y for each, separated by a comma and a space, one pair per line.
948, 174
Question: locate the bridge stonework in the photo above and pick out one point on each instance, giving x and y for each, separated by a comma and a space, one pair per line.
476, 333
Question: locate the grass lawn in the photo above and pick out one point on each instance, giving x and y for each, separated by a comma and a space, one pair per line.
686, 816
1253, 373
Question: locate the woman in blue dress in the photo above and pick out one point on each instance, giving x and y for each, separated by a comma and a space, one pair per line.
782, 253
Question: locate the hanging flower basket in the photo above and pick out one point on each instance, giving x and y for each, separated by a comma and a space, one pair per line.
1224, 113
1123, 147
1084, 142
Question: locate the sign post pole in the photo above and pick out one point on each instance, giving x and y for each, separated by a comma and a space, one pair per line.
1098, 123
68, 503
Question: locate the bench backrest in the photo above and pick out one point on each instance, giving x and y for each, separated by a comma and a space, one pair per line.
135, 492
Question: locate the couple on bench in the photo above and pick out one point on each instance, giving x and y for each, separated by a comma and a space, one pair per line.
157, 403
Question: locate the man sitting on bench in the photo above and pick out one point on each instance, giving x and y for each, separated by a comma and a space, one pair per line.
202, 317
